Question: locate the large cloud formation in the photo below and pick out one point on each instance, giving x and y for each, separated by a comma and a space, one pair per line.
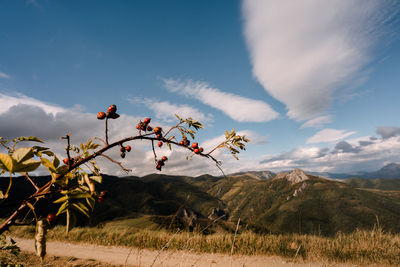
24, 116
302, 51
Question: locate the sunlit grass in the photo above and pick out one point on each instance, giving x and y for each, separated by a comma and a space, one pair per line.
361, 246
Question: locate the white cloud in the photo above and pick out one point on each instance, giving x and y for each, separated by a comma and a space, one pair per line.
166, 111
48, 122
237, 107
369, 156
329, 135
304, 51
317, 122
8, 101
4, 75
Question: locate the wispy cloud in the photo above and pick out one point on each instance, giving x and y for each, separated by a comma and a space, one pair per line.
329, 135
4, 75
237, 107
166, 111
317, 122
302, 52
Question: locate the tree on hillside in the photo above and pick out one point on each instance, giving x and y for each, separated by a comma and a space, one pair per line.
73, 179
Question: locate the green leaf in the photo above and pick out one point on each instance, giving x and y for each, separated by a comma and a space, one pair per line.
63, 208
61, 199
6, 162
32, 208
80, 207
48, 153
63, 169
27, 166
90, 202
22, 153
49, 165
30, 138
56, 161
96, 178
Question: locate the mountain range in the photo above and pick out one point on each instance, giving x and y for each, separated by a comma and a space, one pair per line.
287, 202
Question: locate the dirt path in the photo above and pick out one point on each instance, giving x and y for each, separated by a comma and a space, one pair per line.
136, 257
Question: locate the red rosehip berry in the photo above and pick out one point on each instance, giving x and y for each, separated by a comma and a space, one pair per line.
149, 128
103, 194
195, 145
138, 126
101, 115
164, 158
122, 149
182, 143
100, 199
51, 217
65, 161
122, 154
112, 109
201, 149
159, 136
128, 148
160, 144
196, 151
147, 120
157, 130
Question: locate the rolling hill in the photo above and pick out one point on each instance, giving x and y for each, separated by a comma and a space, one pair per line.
293, 202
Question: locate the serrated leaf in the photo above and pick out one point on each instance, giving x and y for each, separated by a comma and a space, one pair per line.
30, 138
6, 162
22, 153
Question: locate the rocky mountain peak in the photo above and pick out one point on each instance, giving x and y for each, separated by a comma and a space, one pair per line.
295, 176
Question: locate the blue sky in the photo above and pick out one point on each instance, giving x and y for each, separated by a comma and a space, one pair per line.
313, 84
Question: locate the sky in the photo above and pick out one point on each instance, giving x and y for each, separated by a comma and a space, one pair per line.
313, 84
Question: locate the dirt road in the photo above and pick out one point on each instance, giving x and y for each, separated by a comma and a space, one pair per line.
136, 257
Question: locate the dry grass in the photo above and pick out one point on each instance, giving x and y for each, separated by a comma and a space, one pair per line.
359, 247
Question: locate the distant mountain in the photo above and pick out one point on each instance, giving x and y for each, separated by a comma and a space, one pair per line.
390, 171
291, 202
259, 175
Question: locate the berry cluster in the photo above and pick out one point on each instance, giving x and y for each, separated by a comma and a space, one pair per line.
196, 148
111, 113
161, 163
124, 149
144, 125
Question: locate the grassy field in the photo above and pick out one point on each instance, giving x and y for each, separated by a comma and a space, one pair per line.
359, 247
